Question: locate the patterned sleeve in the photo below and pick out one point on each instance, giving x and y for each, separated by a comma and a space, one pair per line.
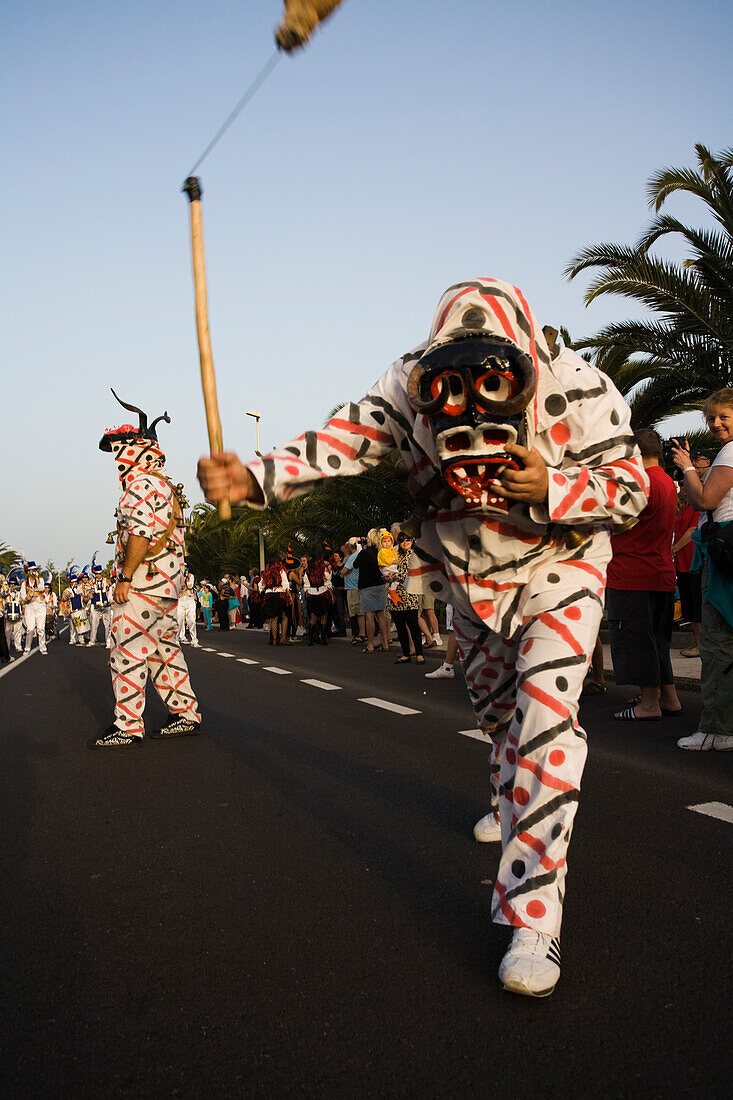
138, 505
599, 475
358, 437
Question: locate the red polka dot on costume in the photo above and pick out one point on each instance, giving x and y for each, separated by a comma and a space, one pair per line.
572, 613
588, 505
127, 630
558, 479
293, 470
521, 795
510, 756
528, 645
557, 757
536, 909
484, 608
144, 650
132, 453
167, 591
559, 433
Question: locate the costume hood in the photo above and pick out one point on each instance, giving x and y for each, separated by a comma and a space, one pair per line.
136, 450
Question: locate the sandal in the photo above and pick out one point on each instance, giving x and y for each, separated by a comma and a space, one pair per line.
628, 714
665, 710
419, 660
365, 650
593, 688
404, 661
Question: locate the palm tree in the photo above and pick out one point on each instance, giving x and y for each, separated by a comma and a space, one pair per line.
670, 362
8, 556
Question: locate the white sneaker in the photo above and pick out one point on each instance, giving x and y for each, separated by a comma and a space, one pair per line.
704, 742
444, 672
531, 966
195, 645
487, 830
437, 639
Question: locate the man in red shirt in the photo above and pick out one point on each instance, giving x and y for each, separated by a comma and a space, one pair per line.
640, 595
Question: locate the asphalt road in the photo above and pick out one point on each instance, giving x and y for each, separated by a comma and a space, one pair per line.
292, 903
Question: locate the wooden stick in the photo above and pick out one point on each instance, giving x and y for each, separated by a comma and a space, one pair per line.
192, 188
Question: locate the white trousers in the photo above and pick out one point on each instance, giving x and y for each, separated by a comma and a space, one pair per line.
186, 618
35, 623
14, 634
105, 614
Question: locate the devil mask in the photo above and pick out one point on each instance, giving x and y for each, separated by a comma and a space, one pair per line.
474, 382
135, 449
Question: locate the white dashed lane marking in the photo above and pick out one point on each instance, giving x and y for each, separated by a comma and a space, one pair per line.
226, 654
322, 685
277, 671
714, 809
476, 734
207, 649
384, 704
247, 661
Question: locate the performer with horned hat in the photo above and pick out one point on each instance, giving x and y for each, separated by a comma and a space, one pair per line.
521, 460
150, 560
32, 597
100, 604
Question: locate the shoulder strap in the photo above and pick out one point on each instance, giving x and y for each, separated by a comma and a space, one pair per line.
176, 514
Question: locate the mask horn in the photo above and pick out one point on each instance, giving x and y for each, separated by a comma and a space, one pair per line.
418, 403
158, 419
133, 409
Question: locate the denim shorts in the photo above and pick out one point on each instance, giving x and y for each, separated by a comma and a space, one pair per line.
373, 599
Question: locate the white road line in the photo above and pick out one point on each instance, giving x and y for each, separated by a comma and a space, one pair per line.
247, 661
714, 809
277, 671
386, 705
207, 649
224, 654
477, 735
322, 685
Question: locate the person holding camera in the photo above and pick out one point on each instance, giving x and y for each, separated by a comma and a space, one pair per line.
715, 497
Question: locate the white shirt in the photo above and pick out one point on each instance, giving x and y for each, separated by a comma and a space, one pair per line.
724, 511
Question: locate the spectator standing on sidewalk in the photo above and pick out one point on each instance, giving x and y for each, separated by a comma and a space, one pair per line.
640, 595
351, 586
715, 496
688, 583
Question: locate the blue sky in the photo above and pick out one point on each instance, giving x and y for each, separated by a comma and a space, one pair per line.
413, 144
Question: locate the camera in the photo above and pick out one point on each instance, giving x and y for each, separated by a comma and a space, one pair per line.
668, 463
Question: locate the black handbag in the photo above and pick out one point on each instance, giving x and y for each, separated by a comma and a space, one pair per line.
718, 539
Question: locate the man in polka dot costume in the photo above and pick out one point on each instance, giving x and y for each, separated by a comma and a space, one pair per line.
522, 462
150, 563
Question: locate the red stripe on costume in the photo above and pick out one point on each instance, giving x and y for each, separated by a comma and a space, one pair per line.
532, 346
358, 429
512, 917
544, 777
547, 700
588, 568
581, 484
500, 315
562, 630
446, 311
337, 445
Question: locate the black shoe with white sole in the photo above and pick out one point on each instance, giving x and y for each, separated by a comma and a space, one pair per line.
177, 727
114, 738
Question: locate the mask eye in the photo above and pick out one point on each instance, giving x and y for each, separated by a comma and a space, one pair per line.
456, 400
497, 385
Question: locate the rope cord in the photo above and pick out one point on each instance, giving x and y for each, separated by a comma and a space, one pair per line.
257, 83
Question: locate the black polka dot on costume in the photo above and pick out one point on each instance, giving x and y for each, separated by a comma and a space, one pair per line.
518, 868
379, 417
474, 542
561, 683
567, 837
146, 614
555, 404
405, 445
553, 578
294, 451
556, 830
435, 586
334, 461
614, 417
125, 661
120, 467
623, 498
474, 317
519, 714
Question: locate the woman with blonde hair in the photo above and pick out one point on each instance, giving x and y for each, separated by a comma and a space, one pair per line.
372, 592
715, 497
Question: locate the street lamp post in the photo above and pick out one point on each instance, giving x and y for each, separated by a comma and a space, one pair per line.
260, 536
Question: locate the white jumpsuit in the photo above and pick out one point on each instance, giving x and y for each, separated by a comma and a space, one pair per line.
186, 612
527, 602
34, 613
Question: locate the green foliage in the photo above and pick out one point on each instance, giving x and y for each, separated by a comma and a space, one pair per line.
669, 363
8, 557
334, 511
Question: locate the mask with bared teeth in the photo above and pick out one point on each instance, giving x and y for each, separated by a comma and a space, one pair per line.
474, 386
